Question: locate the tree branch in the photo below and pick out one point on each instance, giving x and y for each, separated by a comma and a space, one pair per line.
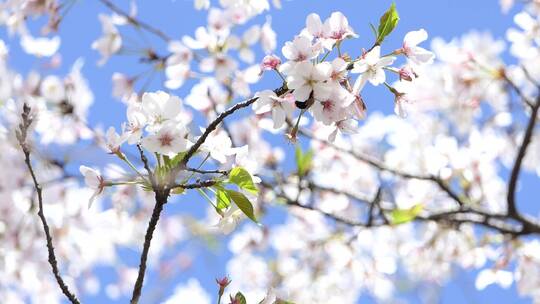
161, 199
203, 184
21, 137
135, 21
382, 167
514, 175
212, 126
201, 171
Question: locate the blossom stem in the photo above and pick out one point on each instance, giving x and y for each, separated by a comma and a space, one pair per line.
207, 197
128, 162
281, 76
324, 57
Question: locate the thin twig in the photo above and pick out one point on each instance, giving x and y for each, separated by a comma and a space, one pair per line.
382, 167
222, 172
135, 21
212, 126
203, 184
21, 136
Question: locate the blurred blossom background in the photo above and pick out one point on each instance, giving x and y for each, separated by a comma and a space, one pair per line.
190, 265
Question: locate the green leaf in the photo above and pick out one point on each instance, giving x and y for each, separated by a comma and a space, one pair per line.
242, 179
223, 199
387, 23
243, 204
303, 160
239, 298
175, 160
402, 216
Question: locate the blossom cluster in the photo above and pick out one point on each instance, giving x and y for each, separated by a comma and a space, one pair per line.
322, 86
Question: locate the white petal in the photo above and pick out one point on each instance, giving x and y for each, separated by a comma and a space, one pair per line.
413, 38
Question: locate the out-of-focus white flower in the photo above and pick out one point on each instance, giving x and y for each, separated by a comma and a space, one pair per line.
244, 45
268, 37
52, 88
122, 86
177, 67
111, 41
242, 80
40, 47
500, 277
230, 219
201, 4
191, 292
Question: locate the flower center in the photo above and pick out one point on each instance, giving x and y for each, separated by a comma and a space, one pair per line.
165, 139
328, 106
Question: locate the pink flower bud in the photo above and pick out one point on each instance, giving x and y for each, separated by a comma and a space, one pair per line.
270, 62
406, 73
223, 283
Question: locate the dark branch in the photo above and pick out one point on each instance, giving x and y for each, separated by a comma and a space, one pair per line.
21, 136
514, 175
213, 125
382, 167
203, 184
222, 172
161, 199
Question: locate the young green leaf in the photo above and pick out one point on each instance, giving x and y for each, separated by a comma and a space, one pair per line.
223, 199
239, 298
241, 177
387, 23
175, 160
243, 204
303, 160
402, 216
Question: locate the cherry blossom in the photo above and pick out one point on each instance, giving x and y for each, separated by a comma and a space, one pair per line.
298, 50
41, 46
168, 140
93, 180
371, 66
160, 107
229, 220
281, 108
111, 41
308, 78
416, 54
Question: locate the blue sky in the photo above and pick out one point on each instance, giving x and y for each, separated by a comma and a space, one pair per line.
443, 18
